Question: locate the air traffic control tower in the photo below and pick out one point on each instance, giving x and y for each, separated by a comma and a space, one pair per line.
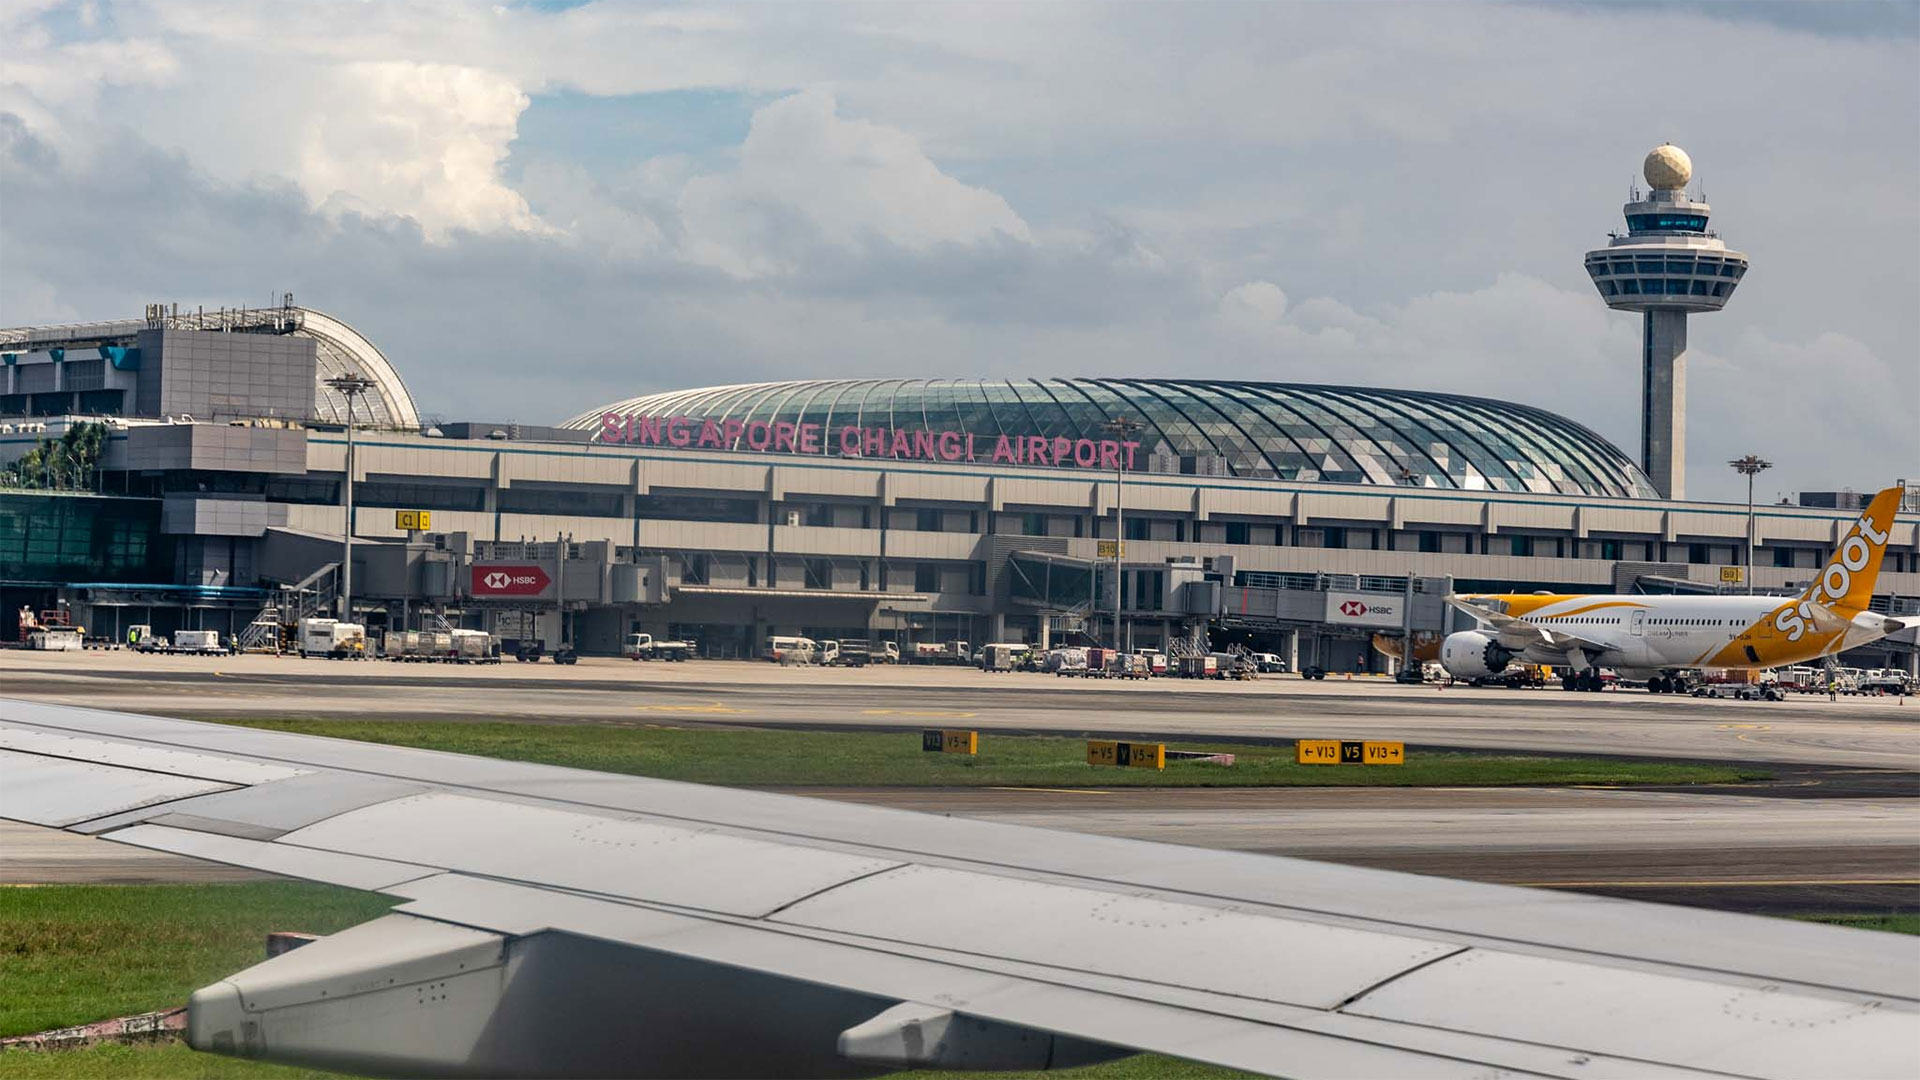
1666, 266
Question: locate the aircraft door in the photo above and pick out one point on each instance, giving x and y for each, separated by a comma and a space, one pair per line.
1638, 623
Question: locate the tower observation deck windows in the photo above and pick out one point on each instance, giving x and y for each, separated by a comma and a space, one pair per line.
1667, 222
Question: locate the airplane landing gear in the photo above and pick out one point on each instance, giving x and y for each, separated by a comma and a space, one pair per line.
1588, 680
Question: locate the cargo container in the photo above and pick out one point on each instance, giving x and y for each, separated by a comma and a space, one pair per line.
474, 647
197, 641
332, 639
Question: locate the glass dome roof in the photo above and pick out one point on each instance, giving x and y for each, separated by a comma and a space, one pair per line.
1284, 431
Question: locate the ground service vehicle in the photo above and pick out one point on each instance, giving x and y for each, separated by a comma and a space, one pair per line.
1205, 666
1156, 661
856, 652
332, 639
56, 639
1003, 657
643, 647
1067, 661
1883, 681
950, 652
197, 641
1267, 663
788, 650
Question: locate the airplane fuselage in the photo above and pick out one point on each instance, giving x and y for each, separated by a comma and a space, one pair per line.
1668, 632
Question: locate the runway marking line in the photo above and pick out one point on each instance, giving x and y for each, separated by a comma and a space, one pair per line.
954, 714
710, 707
1055, 790
1713, 884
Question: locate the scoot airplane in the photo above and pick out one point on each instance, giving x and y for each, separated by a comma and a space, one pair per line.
1652, 638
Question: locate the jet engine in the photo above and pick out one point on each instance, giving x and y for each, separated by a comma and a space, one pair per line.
1473, 654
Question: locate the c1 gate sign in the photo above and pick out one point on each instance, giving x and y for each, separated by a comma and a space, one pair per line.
1365, 609
509, 579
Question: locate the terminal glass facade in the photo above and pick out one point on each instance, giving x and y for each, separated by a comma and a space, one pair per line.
66, 538
1282, 431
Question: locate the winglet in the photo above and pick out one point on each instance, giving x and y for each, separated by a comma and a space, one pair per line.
1846, 584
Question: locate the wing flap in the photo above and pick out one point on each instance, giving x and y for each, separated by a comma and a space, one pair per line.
55, 791
1762, 1030
1286, 961
332, 867
669, 864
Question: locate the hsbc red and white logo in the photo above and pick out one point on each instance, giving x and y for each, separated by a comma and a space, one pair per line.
1353, 609
510, 581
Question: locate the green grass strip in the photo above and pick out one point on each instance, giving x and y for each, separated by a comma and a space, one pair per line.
73, 954
759, 756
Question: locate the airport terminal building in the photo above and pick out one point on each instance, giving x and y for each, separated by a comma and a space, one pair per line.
1297, 517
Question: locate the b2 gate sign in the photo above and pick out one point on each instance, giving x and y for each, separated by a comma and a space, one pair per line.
1364, 609
501, 580
1348, 752
1127, 755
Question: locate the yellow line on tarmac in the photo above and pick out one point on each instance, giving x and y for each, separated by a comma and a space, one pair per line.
1056, 790
944, 713
1714, 884
710, 707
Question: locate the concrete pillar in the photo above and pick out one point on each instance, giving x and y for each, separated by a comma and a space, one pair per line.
1663, 401
1292, 654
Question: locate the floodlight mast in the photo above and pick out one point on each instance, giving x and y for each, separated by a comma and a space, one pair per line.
350, 386
1750, 466
1123, 429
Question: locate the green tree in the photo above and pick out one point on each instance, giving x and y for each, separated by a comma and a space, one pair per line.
70, 463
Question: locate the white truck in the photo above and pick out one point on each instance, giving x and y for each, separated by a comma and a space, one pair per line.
943, 652
332, 639
197, 642
55, 639
644, 647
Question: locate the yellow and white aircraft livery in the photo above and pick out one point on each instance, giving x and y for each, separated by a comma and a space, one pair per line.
1642, 637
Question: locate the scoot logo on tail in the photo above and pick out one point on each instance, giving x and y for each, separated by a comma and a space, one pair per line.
1847, 583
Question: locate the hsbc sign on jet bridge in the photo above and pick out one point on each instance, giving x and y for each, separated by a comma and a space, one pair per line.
508, 580
1365, 609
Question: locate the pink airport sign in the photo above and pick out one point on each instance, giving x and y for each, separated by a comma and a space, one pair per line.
899, 444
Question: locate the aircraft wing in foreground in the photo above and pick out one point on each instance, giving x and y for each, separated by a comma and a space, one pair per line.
554, 922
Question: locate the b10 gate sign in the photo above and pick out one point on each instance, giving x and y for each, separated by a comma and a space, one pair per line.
506, 580
1348, 752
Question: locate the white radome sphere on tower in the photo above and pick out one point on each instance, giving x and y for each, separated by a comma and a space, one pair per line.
1668, 168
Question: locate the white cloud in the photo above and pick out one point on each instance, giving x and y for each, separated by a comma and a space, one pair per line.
807, 175
425, 140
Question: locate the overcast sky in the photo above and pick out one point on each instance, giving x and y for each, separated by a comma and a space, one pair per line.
536, 208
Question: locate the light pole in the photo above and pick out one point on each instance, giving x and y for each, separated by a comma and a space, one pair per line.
1750, 466
350, 385
1123, 429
